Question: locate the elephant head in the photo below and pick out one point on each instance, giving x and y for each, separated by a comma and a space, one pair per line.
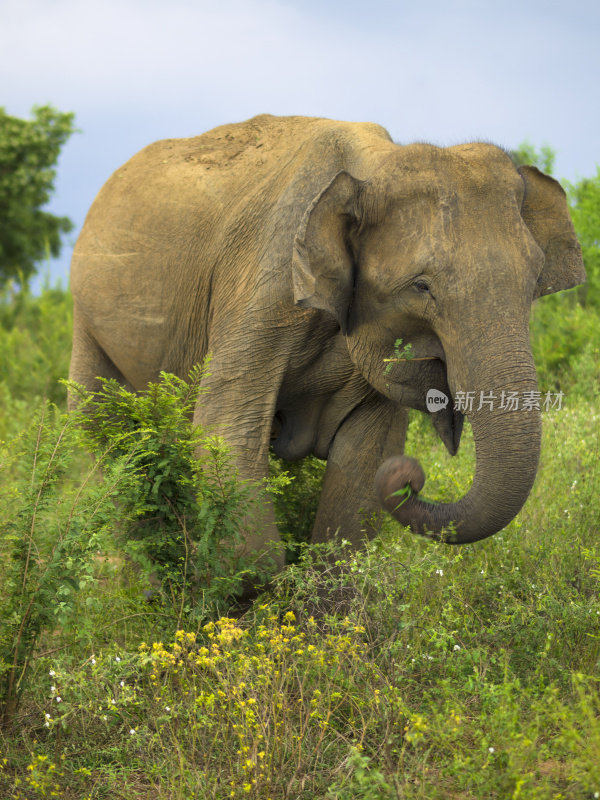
445, 249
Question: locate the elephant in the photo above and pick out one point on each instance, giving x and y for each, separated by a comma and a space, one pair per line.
297, 251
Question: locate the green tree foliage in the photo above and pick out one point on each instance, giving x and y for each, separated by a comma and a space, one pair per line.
584, 200
527, 154
29, 150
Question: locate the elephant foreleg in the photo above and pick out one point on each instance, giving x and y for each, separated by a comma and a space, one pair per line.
241, 412
373, 432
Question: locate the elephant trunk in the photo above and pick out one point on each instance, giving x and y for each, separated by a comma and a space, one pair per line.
507, 442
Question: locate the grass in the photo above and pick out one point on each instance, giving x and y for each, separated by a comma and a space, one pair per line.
411, 669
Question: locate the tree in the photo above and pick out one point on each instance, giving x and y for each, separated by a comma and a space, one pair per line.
584, 201
29, 150
527, 154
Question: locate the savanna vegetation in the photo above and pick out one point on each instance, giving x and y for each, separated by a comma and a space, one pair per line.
411, 669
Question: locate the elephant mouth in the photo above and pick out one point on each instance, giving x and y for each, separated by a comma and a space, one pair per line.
449, 426
436, 400
447, 420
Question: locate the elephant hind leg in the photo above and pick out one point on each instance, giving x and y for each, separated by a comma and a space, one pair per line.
89, 362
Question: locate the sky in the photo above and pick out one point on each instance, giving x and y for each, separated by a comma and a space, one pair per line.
135, 71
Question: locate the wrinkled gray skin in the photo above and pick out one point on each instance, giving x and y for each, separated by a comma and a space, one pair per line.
297, 251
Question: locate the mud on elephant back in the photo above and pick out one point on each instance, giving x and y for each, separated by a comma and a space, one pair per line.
297, 251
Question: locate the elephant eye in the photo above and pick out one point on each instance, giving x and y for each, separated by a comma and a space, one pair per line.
421, 286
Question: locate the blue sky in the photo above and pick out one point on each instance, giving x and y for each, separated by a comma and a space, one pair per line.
135, 71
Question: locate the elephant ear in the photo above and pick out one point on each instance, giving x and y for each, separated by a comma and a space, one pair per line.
546, 214
322, 260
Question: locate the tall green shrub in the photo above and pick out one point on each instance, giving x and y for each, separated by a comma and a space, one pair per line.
50, 531
35, 348
183, 516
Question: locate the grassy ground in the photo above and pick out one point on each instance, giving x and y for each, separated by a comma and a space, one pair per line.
412, 669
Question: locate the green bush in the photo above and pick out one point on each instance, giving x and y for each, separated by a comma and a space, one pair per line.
409, 669
50, 531
296, 508
184, 509
35, 348
167, 497
562, 333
